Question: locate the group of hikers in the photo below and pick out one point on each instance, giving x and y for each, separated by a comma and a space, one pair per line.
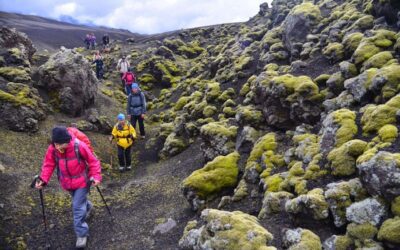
70, 152
90, 41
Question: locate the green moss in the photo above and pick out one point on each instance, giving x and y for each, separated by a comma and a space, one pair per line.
173, 145
181, 103
146, 79
272, 36
362, 232
244, 231
343, 159
390, 230
15, 74
307, 9
388, 133
376, 116
265, 143
216, 175
209, 111
213, 90
107, 92
271, 67
226, 95
243, 62
272, 183
20, 95
313, 203
191, 50
352, 41
378, 60
321, 79
334, 51
343, 242
348, 129
219, 129
370, 46
391, 75
249, 115
308, 241
395, 207
295, 86
365, 22
229, 112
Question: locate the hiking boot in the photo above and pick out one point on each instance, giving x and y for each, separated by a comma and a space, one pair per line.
89, 213
143, 137
81, 242
121, 169
129, 167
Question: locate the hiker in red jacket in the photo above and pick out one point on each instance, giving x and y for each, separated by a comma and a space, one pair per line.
129, 78
77, 169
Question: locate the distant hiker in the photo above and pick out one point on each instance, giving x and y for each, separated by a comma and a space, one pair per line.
128, 79
106, 41
124, 133
76, 166
76, 133
87, 41
136, 108
93, 41
98, 60
123, 66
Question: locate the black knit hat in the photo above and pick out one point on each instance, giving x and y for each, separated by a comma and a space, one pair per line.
60, 135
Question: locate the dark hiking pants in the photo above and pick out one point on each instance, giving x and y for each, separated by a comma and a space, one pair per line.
124, 156
134, 120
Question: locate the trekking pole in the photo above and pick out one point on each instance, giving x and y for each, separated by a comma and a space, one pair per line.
104, 201
35, 179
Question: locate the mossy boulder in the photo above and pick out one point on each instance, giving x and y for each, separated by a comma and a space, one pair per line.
21, 107
69, 80
362, 231
377, 116
343, 159
253, 164
370, 46
227, 231
287, 100
312, 204
16, 74
338, 128
340, 196
334, 51
338, 242
299, 239
173, 145
249, 115
379, 172
390, 230
274, 202
218, 139
217, 175
369, 210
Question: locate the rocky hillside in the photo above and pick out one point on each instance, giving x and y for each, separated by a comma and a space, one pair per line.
277, 133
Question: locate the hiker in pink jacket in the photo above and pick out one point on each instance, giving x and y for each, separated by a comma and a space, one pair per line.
76, 166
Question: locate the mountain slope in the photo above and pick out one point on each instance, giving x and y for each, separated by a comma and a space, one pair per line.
280, 133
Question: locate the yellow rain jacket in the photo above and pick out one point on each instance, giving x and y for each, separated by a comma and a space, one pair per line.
125, 135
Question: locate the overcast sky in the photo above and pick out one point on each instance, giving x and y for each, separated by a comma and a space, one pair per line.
143, 16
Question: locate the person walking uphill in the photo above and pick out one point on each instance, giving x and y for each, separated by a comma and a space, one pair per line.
124, 134
76, 167
98, 60
136, 108
128, 78
123, 66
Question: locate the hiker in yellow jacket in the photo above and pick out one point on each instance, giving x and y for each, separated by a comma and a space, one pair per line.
124, 133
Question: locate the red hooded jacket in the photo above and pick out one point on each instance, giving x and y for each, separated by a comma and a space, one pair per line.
72, 174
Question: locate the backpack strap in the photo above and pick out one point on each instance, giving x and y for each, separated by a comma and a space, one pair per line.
76, 149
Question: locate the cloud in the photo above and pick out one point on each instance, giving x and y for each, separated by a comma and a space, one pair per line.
65, 9
145, 16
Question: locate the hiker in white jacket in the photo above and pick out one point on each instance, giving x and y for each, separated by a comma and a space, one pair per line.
123, 66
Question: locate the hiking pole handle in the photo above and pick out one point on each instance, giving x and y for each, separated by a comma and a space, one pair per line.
34, 181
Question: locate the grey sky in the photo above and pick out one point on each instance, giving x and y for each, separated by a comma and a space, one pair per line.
145, 16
